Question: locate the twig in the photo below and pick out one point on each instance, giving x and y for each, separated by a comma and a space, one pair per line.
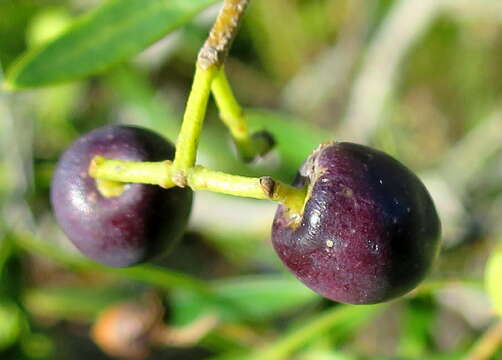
486, 346
209, 62
222, 33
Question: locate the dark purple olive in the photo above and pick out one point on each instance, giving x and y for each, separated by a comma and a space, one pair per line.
140, 223
369, 231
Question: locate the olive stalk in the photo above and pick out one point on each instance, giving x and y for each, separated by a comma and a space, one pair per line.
233, 116
198, 178
193, 119
209, 61
209, 77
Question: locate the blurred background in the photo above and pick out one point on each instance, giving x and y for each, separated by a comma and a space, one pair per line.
419, 79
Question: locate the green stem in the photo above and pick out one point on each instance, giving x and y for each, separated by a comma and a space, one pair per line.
111, 174
199, 178
153, 173
232, 115
231, 112
209, 61
188, 138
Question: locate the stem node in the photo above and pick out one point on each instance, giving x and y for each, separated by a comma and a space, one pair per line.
167, 175
268, 186
179, 178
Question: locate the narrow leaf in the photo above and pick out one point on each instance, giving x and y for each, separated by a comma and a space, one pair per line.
253, 298
108, 35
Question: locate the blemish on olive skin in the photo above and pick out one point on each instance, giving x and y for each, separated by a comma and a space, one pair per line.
330, 243
347, 192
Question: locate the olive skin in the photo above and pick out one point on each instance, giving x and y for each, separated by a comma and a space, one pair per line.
140, 223
369, 231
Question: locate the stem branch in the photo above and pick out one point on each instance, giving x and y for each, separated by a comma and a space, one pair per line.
249, 145
153, 173
209, 61
220, 38
188, 138
231, 112
199, 178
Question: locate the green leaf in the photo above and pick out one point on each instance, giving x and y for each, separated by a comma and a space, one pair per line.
337, 321
5, 252
72, 302
493, 274
11, 323
149, 274
252, 298
106, 36
416, 323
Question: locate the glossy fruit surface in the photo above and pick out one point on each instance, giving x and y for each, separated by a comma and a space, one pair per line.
369, 231
141, 222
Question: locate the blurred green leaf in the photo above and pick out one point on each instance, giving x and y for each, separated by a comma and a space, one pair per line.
47, 25
418, 318
295, 139
11, 323
38, 346
110, 34
153, 275
241, 298
493, 274
13, 22
256, 298
133, 89
339, 320
326, 355
72, 302
240, 247
5, 251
